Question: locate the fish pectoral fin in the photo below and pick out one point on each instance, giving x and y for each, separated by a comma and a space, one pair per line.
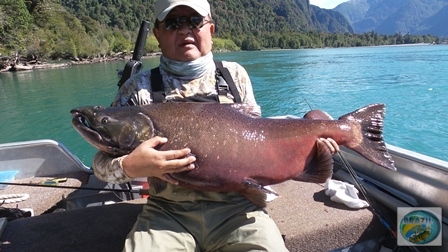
321, 166
158, 184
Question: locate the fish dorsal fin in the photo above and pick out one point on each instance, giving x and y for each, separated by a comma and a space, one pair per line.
245, 109
321, 166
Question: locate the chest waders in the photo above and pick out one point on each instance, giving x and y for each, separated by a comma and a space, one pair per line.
224, 86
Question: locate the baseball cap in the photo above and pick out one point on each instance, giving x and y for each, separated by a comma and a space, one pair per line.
163, 7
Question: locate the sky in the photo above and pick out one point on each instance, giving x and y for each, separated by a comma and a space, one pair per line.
327, 4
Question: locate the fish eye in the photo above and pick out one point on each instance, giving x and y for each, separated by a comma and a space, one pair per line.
105, 119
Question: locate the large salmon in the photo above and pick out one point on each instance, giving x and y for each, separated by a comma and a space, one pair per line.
234, 151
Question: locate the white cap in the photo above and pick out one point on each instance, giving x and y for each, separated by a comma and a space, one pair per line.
163, 7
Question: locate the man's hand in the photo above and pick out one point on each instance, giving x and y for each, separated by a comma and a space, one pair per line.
332, 145
146, 161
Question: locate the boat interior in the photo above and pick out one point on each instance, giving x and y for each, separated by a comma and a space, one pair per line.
82, 213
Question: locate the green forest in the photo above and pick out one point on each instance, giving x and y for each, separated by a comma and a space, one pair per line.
70, 29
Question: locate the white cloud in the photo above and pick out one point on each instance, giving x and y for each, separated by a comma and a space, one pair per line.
327, 4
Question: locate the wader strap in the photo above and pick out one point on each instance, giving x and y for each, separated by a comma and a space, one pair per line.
224, 72
157, 86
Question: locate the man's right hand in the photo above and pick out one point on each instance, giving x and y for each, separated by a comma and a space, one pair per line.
146, 161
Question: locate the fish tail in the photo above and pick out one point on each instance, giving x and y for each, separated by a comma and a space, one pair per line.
372, 145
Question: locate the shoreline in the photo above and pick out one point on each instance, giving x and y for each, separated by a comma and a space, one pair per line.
8, 64
15, 64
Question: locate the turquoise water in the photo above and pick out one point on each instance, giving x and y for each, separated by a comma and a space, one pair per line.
411, 81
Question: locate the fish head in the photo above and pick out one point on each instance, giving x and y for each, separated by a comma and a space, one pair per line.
116, 131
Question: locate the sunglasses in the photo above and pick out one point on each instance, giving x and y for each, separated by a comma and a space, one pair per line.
172, 24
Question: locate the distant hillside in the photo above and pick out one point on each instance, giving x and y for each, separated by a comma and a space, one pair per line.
233, 17
98, 29
397, 16
329, 21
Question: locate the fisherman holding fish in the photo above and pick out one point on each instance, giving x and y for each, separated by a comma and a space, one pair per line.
179, 218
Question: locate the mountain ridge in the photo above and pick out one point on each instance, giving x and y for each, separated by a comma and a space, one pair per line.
420, 17
80, 29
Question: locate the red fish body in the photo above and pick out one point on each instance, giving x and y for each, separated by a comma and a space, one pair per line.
236, 152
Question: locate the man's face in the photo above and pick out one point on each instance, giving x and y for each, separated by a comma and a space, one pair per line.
186, 43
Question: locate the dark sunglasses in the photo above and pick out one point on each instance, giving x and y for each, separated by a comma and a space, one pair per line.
172, 24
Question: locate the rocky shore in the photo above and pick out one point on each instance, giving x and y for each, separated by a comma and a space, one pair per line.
19, 63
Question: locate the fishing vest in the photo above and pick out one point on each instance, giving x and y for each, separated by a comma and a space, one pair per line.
224, 86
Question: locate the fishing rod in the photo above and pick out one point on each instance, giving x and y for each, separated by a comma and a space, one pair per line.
139, 191
372, 203
375, 208
134, 65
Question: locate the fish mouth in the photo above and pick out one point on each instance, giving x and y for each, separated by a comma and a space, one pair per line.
81, 121
100, 138
82, 124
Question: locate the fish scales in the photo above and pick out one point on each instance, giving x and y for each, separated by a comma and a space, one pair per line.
278, 141
234, 151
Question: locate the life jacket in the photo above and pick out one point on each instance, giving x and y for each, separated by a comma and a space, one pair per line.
224, 86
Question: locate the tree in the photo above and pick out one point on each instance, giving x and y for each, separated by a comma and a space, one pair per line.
15, 21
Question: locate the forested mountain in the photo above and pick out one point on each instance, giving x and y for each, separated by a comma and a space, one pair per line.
97, 28
397, 16
233, 17
124, 15
80, 28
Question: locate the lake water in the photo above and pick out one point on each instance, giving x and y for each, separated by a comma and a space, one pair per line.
411, 80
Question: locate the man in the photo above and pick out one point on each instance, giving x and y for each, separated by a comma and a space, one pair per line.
178, 218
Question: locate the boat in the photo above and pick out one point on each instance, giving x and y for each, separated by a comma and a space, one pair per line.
83, 213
